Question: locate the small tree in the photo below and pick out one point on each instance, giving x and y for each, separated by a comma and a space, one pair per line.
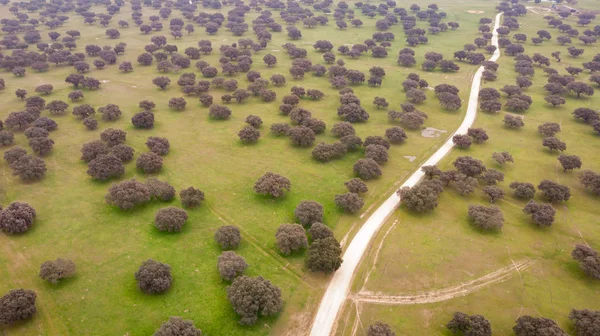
113, 137
149, 163
380, 329
486, 218
587, 322
474, 325
105, 166
158, 145
176, 326
529, 326
29, 168
170, 219
554, 192
249, 134
309, 212
542, 214
523, 190
587, 178
291, 238
228, 237
128, 194
144, 120
55, 270
160, 190
569, 162
231, 265
349, 202
17, 305
272, 184
549, 129
252, 297
324, 255
17, 218
191, 197
153, 277
319, 231
423, 197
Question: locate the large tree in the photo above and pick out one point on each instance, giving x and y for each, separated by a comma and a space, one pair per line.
252, 297
324, 255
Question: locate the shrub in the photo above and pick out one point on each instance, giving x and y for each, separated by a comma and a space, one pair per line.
301, 136
367, 169
324, 255
290, 238
231, 265
113, 137
14, 154
158, 145
272, 184
228, 237
254, 121
280, 129
105, 166
356, 185
29, 168
153, 277
309, 212
6, 138
350, 202
176, 326
123, 152
254, 296
17, 305
149, 163
191, 197
486, 218
41, 146
45, 123
219, 112
55, 270
170, 219
160, 190
17, 218
128, 194
249, 134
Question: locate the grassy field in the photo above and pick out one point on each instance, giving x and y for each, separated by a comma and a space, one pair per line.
441, 249
108, 245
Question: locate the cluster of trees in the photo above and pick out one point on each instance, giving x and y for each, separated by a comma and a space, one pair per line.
477, 135
131, 193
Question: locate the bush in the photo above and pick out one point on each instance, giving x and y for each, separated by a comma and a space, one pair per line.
350, 202
128, 194
17, 305
367, 169
123, 152
290, 238
170, 219
356, 185
228, 237
153, 277
160, 190
272, 184
176, 326
17, 218
14, 154
29, 168
55, 270
105, 166
280, 129
380, 329
309, 212
143, 119
158, 145
474, 325
191, 197
251, 297
324, 255
249, 134
319, 231
486, 218
41, 146
231, 265
149, 163
219, 112
254, 121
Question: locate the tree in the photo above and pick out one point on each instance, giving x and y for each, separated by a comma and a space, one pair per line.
580, 88
353, 113
176, 326
415, 96
587, 322
342, 129
450, 101
76, 95
17, 218
128, 194
474, 325
569, 162
249, 134
110, 112
143, 119
380, 329
55, 270
153, 277
309, 212
587, 178
462, 140
161, 81
301, 136
228, 237
29, 168
291, 238
272, 184
469, 166
554, 144
280, 129
324, 255
465, 185
554, 192
170, 219
158, 145
126, 67
542, 214
532, 326
160, 190
367, 169
44, 89
350, 202
587, 115
423, 197
105, 166
486, 218
231, 265
494, 193
395, 135
149, 163
512, 121
17, 305
83, 111
113, 137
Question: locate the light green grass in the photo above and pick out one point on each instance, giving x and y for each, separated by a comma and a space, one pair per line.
108, 245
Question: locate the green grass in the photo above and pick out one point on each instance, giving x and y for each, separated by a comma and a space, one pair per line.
441, 249
108, 245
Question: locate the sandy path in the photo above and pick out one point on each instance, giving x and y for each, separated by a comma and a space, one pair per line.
448, 293
339, 286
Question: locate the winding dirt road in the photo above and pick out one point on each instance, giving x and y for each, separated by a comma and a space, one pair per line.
339, 286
